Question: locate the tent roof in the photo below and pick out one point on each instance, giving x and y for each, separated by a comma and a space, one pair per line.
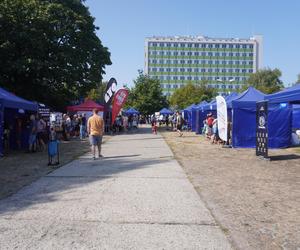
248, 98
189, 108
132, 111
88, 105
166, 111
200, 105
10, 100
291, 95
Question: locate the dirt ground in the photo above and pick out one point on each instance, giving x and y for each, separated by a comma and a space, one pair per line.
256, 202
19, 169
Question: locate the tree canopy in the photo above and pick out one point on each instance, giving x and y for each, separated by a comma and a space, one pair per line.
191, 93
266, 80
49, 50
146, 95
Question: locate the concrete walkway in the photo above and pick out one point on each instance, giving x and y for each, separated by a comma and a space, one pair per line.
137, 197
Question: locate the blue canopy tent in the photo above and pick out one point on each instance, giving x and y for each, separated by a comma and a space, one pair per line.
131, 111
9, 101
195, 114
202, 112
187, 114
283, 116
244, 118
166, 111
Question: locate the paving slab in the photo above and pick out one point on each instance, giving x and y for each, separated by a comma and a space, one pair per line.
137, 197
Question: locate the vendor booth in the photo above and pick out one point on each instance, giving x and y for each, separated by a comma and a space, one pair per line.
283, 116
187, 115
244, 118
14, 114
131, 111
86, 107
195, 114
166, 111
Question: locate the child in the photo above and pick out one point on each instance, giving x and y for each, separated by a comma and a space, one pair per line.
154, 125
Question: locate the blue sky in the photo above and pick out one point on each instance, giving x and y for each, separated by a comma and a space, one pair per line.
124, 25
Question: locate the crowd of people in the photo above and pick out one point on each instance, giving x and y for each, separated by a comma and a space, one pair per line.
125, 123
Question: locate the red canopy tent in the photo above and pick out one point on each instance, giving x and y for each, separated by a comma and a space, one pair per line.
88, 105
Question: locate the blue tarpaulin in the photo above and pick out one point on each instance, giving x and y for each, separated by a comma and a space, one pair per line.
188, 115
244, 118
194, 114
11, 101
288, 95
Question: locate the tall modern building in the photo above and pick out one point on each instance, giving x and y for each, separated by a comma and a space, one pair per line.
225, 63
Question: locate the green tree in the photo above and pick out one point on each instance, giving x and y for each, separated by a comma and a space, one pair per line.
97, 94
49, 50
191, 93
146, 95
265, 80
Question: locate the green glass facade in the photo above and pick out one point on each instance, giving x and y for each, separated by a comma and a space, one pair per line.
225, 64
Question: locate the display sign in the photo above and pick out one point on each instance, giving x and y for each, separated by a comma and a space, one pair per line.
111, 88
44, 112
262, 129
119, 101
222, 118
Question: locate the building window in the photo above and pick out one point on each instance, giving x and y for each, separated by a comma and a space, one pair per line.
230, 86
175, 53
162, 86
175, 70
237, 54
223, 62
182, 45
237, 70
223, 70
175, 86
244, 71
175, 45
217, 62
217, 86
196, 45
203, 62
224, 46
237, 79
250, 54
168, 61
203, 54
161, 78
210, 45
168, 77
210, 70
244, 63
182, 78
168, 70
250, 70
175, 78
154, 69
237, 46
161, 44
182, 53
189, 61
230, 54
168, 44
168, 53
237, 86
237, 62
189, 45
223, 86
154, 61
168, 86
154, 53
196, 78
251, 46
210, 54
196, 70
217, 54
216, 78
154, 44
189, 70
189, 78
217, 45
161, 61
244, 78
244, 54
189, 53
223, 54
182, 70
161, 53
203, 70
196, 61
161, 69
196, 53
250, 63
175, 61
217, 70
203, 45
244, 46
210, 62
182, 61
230, 70
230, 46
230, 62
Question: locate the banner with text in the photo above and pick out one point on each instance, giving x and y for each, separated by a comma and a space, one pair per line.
222, 117
118, 102
110, 90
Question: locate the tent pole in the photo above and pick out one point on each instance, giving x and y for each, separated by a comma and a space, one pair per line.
1, 128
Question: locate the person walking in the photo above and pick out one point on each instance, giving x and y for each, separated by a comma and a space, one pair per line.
179, 123
95, 128
32, 134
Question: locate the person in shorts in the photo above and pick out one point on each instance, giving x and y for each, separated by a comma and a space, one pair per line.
95, 128
179, 123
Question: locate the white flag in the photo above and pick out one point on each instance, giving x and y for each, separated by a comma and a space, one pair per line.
222, 117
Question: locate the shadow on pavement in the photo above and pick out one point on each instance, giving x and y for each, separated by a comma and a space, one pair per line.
285, 157
65, 180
